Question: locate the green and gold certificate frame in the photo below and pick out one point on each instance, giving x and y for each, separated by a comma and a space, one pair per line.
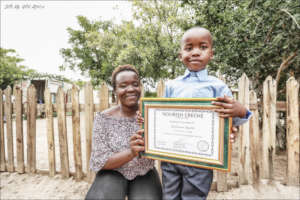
186, 131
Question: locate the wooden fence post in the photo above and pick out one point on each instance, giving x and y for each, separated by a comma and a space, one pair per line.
222, 181
255, 142
142, 90
62, 129
160, 93
244, 142
222, 176
104, 97
89, 120
2, 141
160, 88
31, 128
9, 131
50, 132
292, 95
269, 127
19, 131
76, 133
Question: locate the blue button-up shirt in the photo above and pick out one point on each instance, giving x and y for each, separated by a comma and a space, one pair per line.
200, 85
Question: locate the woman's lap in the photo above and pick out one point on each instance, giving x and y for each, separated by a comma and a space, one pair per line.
110, 184
145, 187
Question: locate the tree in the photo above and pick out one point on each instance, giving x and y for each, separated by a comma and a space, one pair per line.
85, 57
256, 37
11, 71
10, 68
149, 42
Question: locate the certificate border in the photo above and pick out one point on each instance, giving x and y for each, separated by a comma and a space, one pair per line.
175, 155
223, 164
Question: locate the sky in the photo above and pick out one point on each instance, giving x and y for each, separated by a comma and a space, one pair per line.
37, 30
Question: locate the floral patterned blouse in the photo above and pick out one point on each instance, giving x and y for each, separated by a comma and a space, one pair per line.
112, 135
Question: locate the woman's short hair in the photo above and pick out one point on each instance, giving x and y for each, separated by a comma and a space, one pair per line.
119, 69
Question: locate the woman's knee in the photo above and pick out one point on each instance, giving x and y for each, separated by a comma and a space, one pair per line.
108, 184
146, 187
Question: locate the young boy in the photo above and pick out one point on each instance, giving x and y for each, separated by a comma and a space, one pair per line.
184, 182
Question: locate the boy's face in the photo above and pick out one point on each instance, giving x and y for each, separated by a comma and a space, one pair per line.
196, 49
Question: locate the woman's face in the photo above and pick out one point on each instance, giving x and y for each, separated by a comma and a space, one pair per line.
128, 88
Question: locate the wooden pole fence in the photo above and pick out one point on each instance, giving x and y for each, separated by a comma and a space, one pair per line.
89, 119
50, 132
221, 183
62, 129
19, 131
9, 131
76, 134
292, 95
104, 96
160, 93
269, 127
244, 142
256, 146
31, 128
2, 141
255, 142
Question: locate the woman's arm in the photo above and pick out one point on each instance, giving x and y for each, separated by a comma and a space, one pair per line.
118, 159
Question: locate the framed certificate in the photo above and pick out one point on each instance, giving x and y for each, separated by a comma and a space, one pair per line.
186, 131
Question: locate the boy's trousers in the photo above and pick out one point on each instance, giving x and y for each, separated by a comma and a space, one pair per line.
182, 182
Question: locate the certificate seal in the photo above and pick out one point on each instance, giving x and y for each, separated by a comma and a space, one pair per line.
202, 145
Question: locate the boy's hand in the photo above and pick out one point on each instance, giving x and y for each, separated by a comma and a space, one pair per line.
233, 134
230, 107
139, 118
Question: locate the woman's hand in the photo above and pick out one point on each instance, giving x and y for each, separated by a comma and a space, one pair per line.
137, 143
139, 118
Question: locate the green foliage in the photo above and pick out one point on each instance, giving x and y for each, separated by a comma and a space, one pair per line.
255, 37
252, 36
85, 56
37, 75
149, 42
80, 83
150, 94
10, 69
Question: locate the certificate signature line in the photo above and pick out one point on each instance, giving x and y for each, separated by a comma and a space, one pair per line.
197, 136
183, 151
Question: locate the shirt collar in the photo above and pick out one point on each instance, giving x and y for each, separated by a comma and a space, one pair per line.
202, 74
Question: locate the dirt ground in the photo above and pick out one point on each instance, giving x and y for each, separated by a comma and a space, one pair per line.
37, 186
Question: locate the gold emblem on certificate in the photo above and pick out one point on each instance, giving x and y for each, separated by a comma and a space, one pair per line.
186, 131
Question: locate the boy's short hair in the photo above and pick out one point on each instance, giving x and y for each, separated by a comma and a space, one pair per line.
119, 69
196, 28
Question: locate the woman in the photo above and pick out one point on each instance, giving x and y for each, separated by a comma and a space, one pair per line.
116, 144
